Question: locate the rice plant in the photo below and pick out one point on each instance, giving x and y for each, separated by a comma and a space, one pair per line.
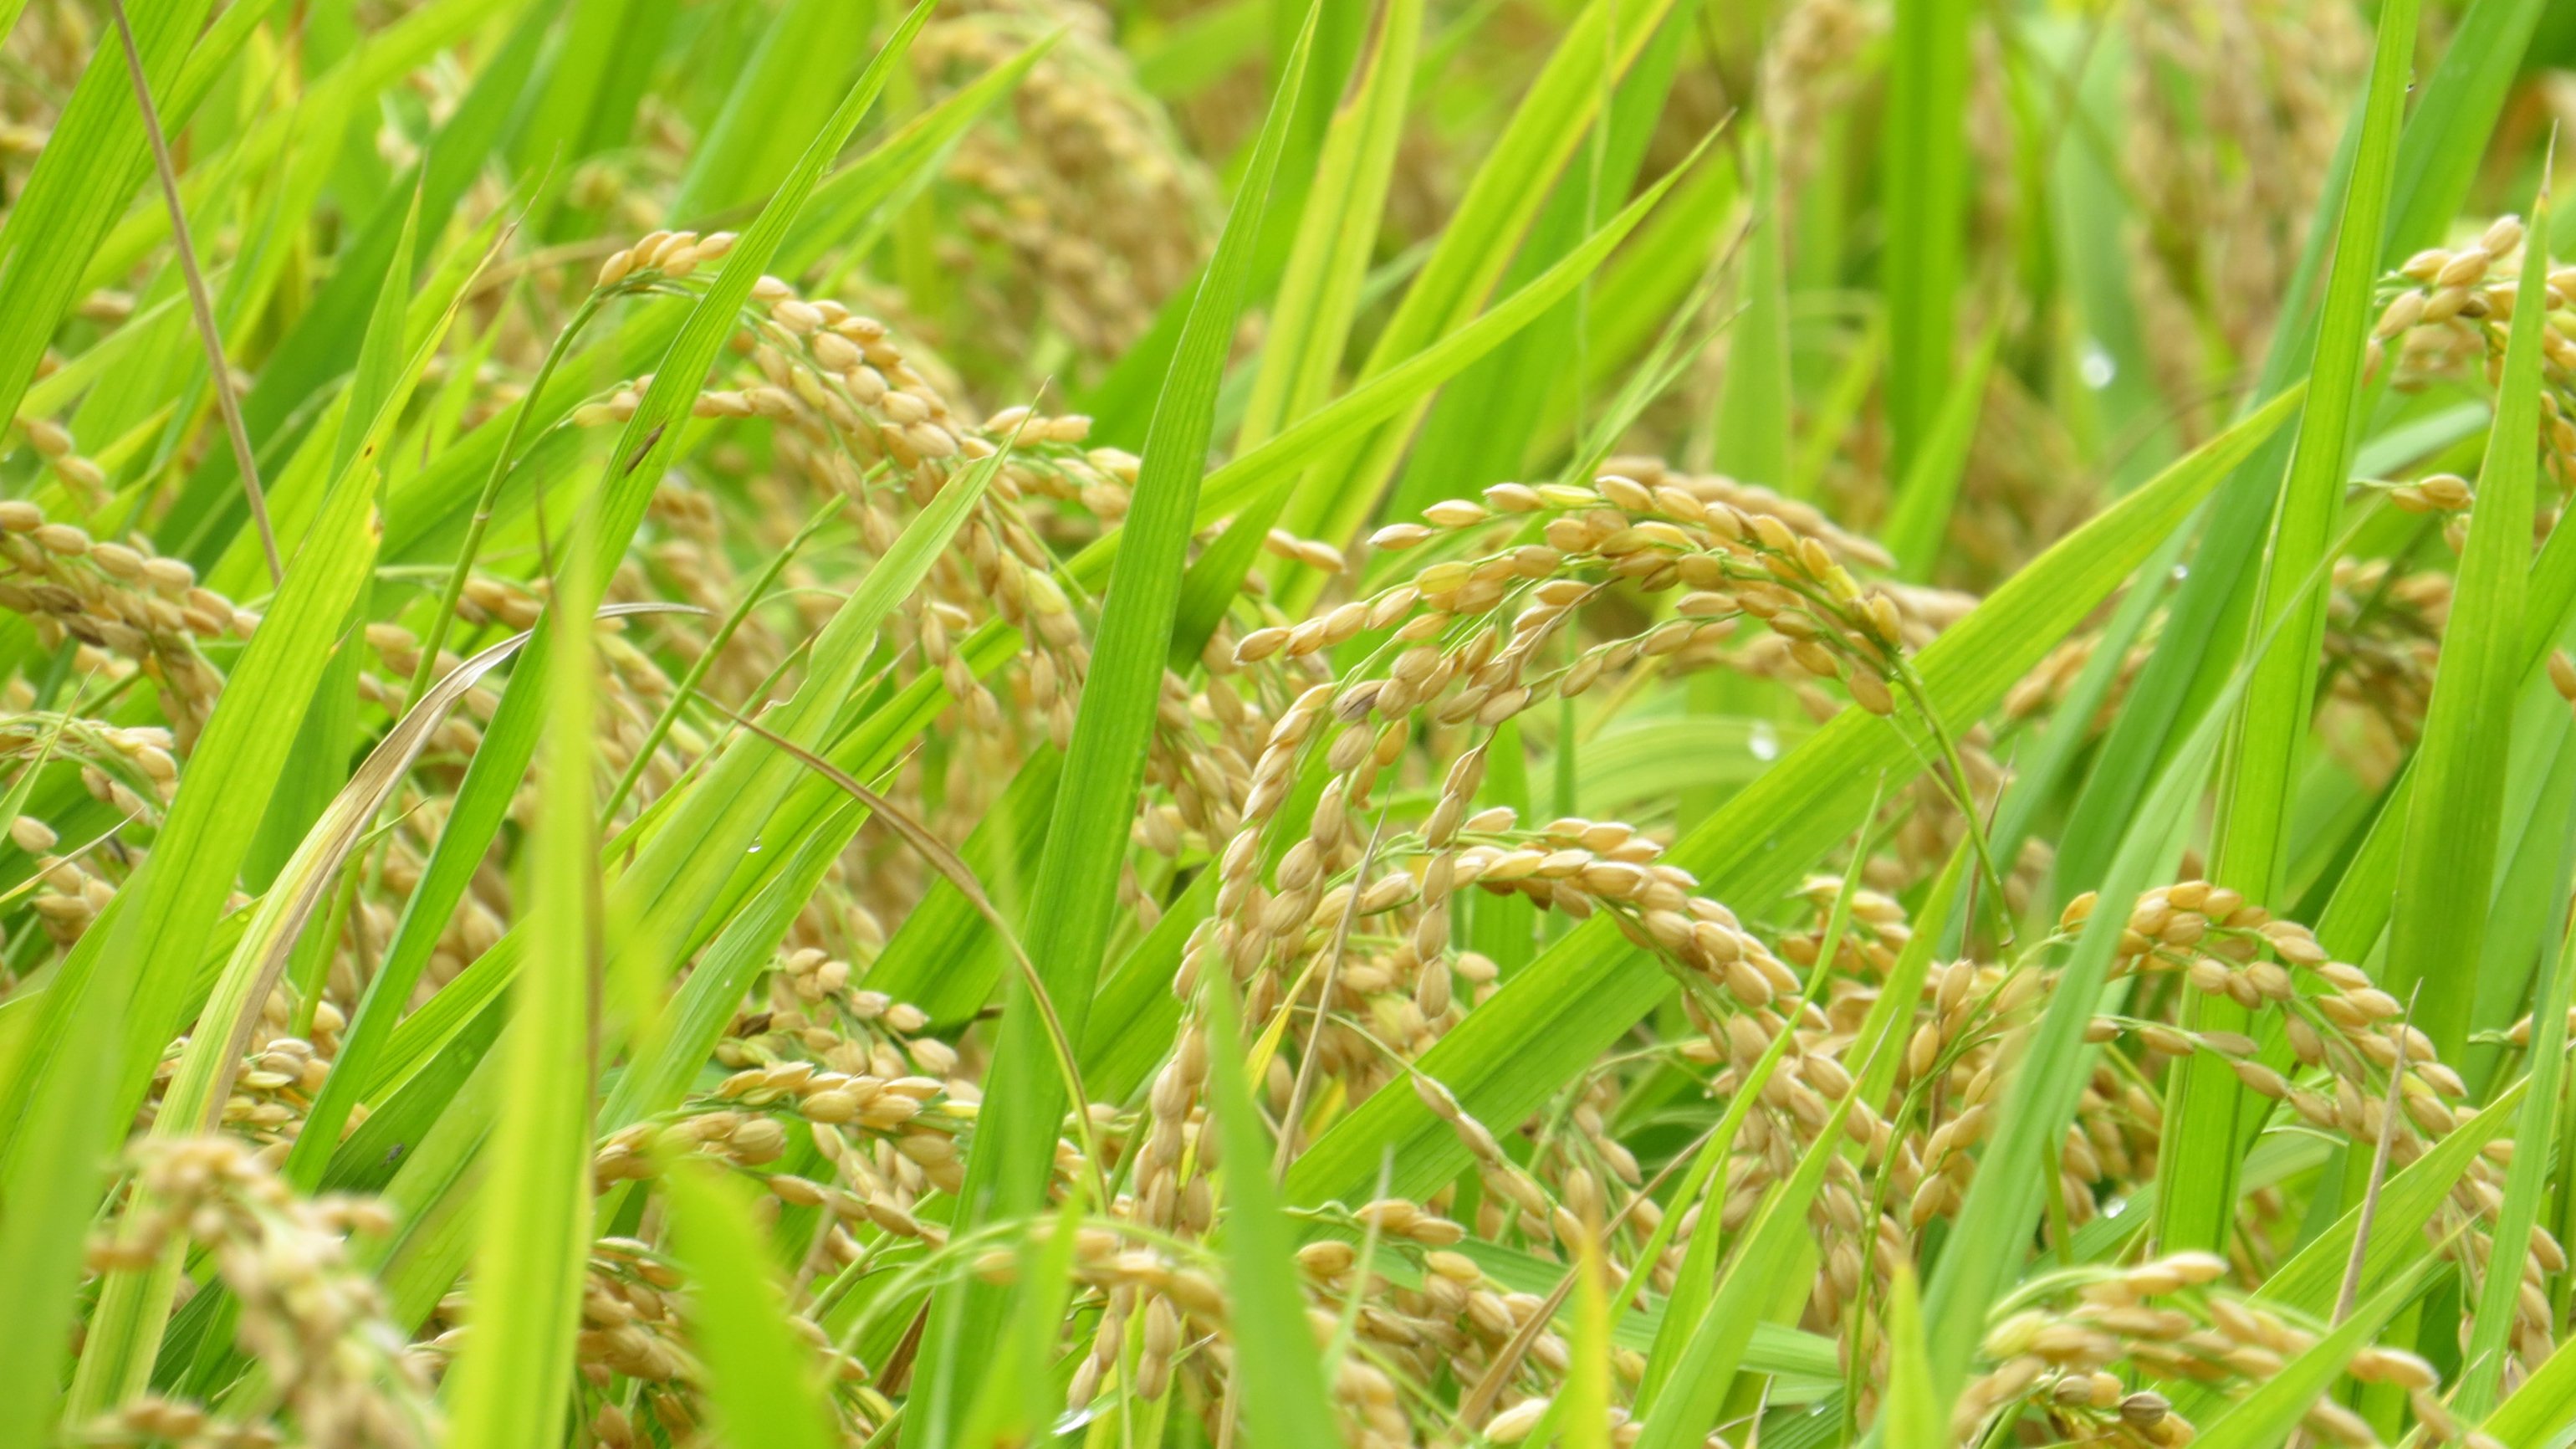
1219, 722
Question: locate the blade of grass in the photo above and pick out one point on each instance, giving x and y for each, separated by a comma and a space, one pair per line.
1646, 761
59, 1167
1914, 1417
1076, 887
64, 210
1686, 1306
1134, 1014
2365, 896
329, 730
2532, 867
1983, 1256
2197, 1171
2310, 1280
1384, 394
1839, 408
1659, 287
134, 1306
2265, 743
1178, 59
1649, 375
379, 61
921, 838
1483, 234
2437, 160
1020, 1396
760, 1378
852, 205
671, 886
686, 691
1501, 413
945, 957
1749, 437
2491, 1325
175, 905
330, 1111
708, 1000
328, 331
1320, 294
1697, 1389
2455, 116
1284, 1402
787, 87
1924, 137
562, 114
1750, 431
1921, 520
1587, 1381
508, 1387
2536, 1414
2040, 767
2118, 403
201, 847
2448, 859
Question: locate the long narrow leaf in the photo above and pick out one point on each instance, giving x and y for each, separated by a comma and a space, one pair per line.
2269, 738
1076, 888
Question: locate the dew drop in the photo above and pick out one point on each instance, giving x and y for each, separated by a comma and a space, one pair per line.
2096, 367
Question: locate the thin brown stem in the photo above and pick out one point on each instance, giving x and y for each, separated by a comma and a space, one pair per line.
953, 866
2351, 1289
1305, 1079
198, 302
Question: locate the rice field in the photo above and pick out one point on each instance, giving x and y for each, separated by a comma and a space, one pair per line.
1252, 725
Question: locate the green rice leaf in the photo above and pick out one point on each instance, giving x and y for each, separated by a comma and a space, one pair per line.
1019, 1397
2499, 1297
1319, 300
852, 204
1913, 1418
2197, 1169
64, 210
1750, 438
1925, 140
1915, 531
173, 908
1475, 248
1076, 887
1537, 391
2449, 853
760, 1376
1587, 1381
2004, 1200
1282, 1384
508, 1387
786, 90
2535, 1414
1688, 1408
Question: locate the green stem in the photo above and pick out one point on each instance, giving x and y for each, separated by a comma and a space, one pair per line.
444, 619
707, 657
